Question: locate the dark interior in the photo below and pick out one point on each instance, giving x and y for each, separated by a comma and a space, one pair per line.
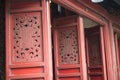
59, 11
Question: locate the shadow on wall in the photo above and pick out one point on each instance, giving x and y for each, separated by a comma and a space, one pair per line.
2, 40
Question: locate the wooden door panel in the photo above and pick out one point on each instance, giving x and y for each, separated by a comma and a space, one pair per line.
27, 50
94, 54
26, 47
68, 46
66, 53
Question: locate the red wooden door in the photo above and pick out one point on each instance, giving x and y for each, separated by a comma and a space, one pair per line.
28, 51
95, 52
67, 51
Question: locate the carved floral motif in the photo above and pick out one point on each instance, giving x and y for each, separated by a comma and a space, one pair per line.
26, 36
68, 46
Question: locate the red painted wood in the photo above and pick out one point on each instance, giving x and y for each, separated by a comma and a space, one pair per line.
94, 54
100, 10
66, 49
81, 8
110, 57
46, 29
88, 9
47, 40
26, 54
117, 50
119, 58
104, 61
81, 36
7, 37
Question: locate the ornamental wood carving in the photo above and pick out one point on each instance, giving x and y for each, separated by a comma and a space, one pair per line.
26, 37
68, 46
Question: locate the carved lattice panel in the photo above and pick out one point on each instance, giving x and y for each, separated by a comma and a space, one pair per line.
94, 50
68, 46
26, 37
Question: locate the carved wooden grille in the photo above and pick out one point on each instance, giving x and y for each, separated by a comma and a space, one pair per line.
68, 46
94, 50
27, 37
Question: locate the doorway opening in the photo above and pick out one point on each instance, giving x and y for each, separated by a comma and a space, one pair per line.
94, 51
67, 49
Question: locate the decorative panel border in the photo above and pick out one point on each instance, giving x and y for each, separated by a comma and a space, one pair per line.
26, 37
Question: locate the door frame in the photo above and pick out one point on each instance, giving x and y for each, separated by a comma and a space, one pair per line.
86, 10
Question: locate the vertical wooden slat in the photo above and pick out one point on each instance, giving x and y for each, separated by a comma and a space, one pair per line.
55, 51
109, 58
113, 31
47, 40
103, 53
82, 48
117, 51
7, 37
